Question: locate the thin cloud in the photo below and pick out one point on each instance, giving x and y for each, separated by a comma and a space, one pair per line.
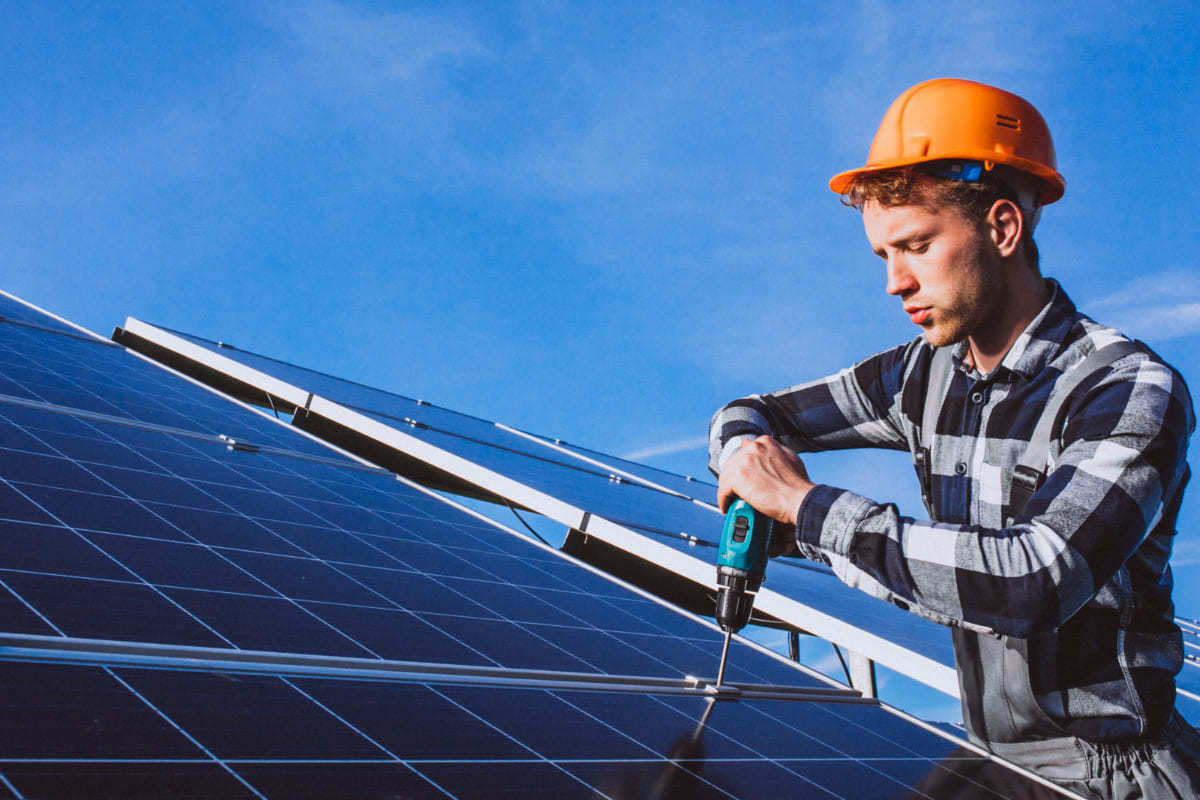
1163, 305
389, 62
363, 47
1165, 285
1186, 553
668, 448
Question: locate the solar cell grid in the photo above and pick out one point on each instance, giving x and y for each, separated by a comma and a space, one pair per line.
12, 308
111, 532
126, 552
149, 491
264, 734
93, 375
85, 374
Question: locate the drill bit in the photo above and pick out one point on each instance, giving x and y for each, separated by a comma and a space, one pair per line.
724, 658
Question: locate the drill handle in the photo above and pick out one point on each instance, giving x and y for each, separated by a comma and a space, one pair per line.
745, 541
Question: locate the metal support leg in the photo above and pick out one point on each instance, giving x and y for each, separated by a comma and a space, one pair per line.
862, 674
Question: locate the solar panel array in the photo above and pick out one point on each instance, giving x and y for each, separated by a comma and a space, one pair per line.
669, 509
199, 601
657, 509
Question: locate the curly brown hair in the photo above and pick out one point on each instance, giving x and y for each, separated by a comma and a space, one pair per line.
913, 185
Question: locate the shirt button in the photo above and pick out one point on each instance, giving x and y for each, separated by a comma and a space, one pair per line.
960, 468
976, 397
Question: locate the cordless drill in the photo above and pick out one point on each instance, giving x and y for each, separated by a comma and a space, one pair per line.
741, 562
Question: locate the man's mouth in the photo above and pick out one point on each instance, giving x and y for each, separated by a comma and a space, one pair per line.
918, 315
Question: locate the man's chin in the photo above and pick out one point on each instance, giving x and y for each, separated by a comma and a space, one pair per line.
937, 336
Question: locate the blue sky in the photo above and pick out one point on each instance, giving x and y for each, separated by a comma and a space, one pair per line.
590, 220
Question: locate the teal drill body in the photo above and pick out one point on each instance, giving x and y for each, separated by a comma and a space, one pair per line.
741, 563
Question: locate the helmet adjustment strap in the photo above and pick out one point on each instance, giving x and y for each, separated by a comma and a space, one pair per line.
975, 171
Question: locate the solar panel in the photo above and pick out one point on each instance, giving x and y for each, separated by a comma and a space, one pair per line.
645, 500
1187, 682
196, 538
674, 529
151, 732
560, 463
200, 601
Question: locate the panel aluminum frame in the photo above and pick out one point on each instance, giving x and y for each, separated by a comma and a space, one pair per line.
104, 652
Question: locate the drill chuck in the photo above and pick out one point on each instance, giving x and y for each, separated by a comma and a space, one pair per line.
734, 602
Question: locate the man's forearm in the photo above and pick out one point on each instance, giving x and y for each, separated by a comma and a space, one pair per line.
857, 407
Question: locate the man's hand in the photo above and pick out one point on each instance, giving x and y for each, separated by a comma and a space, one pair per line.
766, 475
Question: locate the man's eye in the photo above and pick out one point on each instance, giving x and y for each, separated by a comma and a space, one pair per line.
919, 247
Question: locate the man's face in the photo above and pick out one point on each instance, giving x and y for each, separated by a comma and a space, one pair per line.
940, 266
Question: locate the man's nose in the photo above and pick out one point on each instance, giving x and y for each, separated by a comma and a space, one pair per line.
900, 279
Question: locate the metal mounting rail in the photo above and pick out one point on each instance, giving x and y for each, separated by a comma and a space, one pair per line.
109, 653
222, 439
624, 474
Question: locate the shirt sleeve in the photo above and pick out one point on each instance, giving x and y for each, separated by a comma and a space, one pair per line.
1119, 475
857, 407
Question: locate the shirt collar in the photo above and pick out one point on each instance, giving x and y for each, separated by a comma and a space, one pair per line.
1042, 339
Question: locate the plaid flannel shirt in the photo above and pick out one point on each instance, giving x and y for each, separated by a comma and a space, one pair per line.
1081, 573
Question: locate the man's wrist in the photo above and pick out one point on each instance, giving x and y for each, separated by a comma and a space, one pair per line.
799, 496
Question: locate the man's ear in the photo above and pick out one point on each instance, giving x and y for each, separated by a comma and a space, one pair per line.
1005, 225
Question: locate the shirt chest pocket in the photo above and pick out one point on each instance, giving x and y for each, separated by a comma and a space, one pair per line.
1003, 486
991, 496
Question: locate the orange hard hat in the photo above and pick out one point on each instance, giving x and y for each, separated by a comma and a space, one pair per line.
953, 119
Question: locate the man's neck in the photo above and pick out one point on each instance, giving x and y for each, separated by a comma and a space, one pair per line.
1027, 296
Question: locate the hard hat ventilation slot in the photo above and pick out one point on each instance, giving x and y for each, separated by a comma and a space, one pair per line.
1004, 121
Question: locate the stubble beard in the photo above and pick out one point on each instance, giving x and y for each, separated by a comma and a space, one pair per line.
975, 301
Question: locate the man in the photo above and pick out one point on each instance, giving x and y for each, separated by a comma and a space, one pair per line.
1053, 575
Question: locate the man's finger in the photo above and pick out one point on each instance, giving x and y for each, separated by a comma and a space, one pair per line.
724, 496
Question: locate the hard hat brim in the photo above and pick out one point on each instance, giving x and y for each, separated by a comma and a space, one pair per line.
1053, 184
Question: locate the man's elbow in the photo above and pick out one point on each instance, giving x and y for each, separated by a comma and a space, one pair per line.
1034, 606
